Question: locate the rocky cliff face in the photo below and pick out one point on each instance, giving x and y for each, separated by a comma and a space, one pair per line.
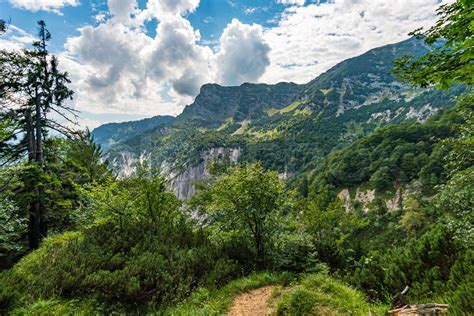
183, 183
364, 198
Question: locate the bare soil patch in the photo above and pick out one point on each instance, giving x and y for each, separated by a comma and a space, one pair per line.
253, 303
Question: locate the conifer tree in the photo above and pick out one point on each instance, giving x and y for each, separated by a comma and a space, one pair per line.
31, 88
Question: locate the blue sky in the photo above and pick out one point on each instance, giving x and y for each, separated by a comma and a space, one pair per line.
210, 17
130, 59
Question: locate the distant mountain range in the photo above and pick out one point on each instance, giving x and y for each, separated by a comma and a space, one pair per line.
110, 134
288, 127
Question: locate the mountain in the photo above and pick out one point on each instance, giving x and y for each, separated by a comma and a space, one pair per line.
389, 164
108, 135
288, 127
216, 104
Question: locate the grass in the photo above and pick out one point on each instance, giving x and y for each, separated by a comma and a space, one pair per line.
313, 294
303, 112
320, 294
228, 121
293, 106
217, 302
271, 112
325, 91
290, 107
61, 307
267, 135
242, 128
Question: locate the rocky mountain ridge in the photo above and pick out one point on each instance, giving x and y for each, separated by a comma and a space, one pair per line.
288, 127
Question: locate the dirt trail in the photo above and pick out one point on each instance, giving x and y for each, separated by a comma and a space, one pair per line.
253, 303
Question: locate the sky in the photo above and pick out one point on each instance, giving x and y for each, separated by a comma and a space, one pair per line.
130, 59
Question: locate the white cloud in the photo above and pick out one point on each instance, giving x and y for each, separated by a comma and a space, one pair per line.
292, 2
100, 17
243, 54
249, 11
54, 6
160, 8
122, 9
175, 56
311, 39
15, 39
117, 68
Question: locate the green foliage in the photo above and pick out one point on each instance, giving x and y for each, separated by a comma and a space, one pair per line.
216, 301
330, 228
145, 251
397, 153
456, 204
12, 228
294, 251
427, 264
243, 204
450, 62
381, 178
320, 294
84, 158
3, 26
461, 154
461, 285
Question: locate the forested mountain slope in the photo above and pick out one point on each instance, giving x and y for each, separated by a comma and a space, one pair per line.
108, 135
286, 126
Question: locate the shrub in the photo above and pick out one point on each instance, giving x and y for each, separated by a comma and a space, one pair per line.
133, 266
461, 286
294, 252
321, 294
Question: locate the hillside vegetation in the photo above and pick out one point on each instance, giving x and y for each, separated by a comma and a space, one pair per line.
380, 194
289, 127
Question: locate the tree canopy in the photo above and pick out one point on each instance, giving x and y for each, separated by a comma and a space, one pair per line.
452, 58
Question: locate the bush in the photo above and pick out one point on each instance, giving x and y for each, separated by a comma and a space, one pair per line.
321, 294
299, 302
133, 266
461, 285
294, 252
425, 264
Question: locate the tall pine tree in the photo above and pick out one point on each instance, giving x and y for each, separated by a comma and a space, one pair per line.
31, 88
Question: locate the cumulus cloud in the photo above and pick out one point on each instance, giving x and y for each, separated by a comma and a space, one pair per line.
118, 68
292, 2
161, 8
243, 55
311, 39
122, 9
175, 56
54, 6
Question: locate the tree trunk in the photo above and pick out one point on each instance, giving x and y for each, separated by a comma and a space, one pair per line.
43, 227
260, 251
30, 136
34, 211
